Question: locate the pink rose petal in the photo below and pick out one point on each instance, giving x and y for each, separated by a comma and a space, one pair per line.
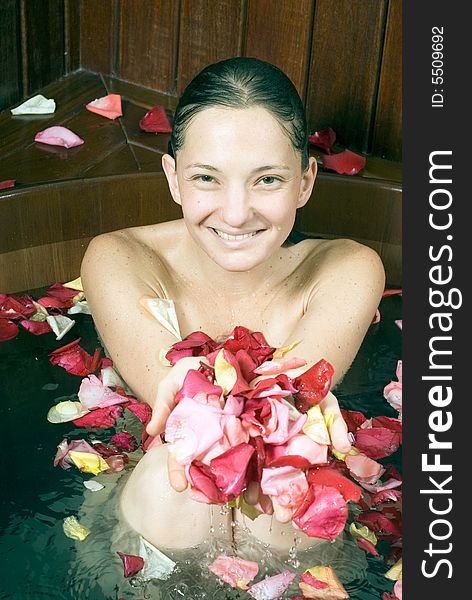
323, 512
58, 136
237, 572
273, 587
107, 106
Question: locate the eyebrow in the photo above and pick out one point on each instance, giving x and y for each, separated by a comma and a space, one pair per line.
257, 170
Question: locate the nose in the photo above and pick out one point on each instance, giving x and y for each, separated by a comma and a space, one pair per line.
236, 208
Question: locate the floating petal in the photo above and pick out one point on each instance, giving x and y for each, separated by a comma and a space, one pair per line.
93, 486
273, 587
132, 564
156, 564
66, 411
74, 530
60, 325
237, 572
8, 330
88, 462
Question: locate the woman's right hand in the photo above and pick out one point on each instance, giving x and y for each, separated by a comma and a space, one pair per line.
163, 406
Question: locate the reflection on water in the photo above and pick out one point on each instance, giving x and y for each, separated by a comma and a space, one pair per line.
38, 561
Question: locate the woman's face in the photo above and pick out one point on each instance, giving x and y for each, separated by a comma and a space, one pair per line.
239, 181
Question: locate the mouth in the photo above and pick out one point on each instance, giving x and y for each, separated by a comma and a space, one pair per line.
234, 238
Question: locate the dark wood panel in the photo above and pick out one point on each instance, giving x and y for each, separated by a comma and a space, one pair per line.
98, 35
345, 62
72, 35
45, 42
209, 32
387, 139
10, 53
83, 208
148, 43
281, 36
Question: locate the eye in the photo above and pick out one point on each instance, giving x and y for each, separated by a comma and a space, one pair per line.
204, 178
269, 180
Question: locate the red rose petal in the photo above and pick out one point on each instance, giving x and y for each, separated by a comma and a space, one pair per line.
377, 442
131, 564
367, 546
36, 327
8, 330
101, 417
332, 477
156, 121
230, 469
313, 385
323, 139
7, 183
75, 360
345, 163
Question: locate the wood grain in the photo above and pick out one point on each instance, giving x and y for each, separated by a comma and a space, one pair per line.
209, 32
45, 42
98, 35
281, 34
148, 43
387, 137
10, 53
345, 62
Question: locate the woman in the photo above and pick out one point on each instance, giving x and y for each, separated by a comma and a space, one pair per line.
239, 167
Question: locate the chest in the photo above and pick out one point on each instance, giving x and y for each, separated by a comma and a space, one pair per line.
273, 311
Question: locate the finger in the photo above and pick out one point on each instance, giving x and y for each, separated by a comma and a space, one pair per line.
160, 414
339, 435
177, 477
281, 513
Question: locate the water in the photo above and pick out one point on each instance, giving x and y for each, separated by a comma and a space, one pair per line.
38, 561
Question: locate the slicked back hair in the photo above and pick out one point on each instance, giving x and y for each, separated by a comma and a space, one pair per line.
239, 83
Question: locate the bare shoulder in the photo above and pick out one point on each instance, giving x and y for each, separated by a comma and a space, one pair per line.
133, 256
345, 262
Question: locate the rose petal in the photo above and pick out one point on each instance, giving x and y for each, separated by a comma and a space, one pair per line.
288, 485
331, 477
36, 327
106, 106
93, 394
323, 139
131, 564
66, 411
155, 121
7, 183
237, 572
229, 469
327, 575
74, 530
101, 417
125, 441
345, 163
377, 442
323, 512
8, 330
273, 587
58, 136
313, 385
75, 359
37, 105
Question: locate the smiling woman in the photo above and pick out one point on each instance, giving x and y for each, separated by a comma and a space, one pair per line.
239, 168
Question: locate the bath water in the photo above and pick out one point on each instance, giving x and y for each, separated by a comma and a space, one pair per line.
38, 561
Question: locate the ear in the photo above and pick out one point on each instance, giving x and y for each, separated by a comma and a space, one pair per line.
307, 182
168, 164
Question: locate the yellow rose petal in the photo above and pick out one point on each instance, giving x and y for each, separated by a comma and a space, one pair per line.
315, 426
395, 572
88, 462
363, 532
76, 284
281, 352
225, 374
74, 530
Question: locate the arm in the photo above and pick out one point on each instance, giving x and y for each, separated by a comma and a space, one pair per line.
339, 307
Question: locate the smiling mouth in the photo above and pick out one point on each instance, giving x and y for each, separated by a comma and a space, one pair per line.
234, 238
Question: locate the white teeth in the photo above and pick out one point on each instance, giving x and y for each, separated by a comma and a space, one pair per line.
227, 236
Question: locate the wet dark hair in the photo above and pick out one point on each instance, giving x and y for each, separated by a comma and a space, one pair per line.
239, 83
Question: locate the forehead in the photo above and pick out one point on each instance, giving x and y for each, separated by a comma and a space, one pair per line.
219, 132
